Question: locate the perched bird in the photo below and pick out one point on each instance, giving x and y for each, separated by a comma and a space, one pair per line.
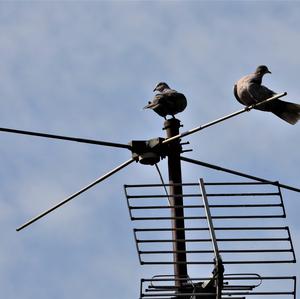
167, 101
248, 91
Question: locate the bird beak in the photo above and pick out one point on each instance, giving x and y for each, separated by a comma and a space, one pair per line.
269, 72
154, 89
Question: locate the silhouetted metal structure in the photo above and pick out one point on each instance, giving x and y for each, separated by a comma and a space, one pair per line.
253, 234
195, 233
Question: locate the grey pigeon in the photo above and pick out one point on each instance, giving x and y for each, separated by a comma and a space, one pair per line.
248, 91
167, 101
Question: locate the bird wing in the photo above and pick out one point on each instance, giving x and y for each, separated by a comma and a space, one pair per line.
152, 104
235, 92
241, 91
260, 92
168, 98
160, 99
168, 102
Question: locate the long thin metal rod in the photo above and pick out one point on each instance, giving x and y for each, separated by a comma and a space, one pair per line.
217, 240
196, 184
246, 109
203, 217
216, 228
202, 206
227, 278
136, 197
204, 164
209, 220
220, 251
102, 178
81, 140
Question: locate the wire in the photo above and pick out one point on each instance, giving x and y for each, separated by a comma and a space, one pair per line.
162, 180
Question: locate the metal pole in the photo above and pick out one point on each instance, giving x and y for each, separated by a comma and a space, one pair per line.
176, 201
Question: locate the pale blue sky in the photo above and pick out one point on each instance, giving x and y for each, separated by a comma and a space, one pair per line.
86, 69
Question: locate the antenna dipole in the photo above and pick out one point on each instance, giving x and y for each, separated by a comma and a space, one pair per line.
238, 173
176, 201
221, 119
102, 178
66, 138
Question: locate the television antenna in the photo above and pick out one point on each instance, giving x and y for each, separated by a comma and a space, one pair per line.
150, 152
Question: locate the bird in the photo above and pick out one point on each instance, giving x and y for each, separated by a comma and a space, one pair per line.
249, 90
167, 101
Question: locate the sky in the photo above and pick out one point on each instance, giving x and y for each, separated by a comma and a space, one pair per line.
86, 69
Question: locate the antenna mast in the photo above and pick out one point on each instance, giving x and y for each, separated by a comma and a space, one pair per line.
176, 201
180, 285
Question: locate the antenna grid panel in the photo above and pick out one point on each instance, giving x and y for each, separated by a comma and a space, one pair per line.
247, 220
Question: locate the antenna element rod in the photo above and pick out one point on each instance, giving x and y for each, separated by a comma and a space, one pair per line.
248, 176
82, 140
209, 220
246, 109
219, 268
102, 178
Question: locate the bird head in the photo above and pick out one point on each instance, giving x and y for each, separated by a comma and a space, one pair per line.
262, 70
161, 86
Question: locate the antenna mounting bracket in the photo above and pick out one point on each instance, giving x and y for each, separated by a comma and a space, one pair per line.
148, 152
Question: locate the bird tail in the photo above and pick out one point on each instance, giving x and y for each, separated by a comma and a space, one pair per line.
150, 105
289, 112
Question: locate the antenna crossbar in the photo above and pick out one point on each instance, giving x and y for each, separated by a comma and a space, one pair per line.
67, 138
102, 178
209, 124
216, 167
